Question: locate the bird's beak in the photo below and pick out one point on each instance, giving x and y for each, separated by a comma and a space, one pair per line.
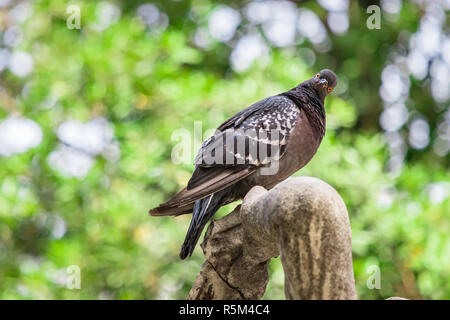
324, 82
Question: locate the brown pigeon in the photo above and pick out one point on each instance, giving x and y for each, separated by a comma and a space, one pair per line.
262, 145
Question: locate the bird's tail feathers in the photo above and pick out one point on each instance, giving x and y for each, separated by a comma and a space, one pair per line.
168, 210
204, 210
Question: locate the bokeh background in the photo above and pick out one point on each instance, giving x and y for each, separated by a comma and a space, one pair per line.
87, 118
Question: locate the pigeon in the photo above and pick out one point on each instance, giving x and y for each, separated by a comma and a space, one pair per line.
262, 145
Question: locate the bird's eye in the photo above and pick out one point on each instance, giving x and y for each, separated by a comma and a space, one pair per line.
330, 89
318, 75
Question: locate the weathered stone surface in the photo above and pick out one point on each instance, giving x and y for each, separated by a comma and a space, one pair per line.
302, 219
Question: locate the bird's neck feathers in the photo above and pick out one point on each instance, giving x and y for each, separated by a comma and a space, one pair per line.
307, 98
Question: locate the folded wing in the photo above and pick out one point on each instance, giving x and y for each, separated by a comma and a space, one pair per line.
249, 140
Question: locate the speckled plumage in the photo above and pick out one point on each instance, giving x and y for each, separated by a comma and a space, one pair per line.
276, 114
288, 126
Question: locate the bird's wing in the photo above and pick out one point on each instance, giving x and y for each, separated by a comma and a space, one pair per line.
234, 151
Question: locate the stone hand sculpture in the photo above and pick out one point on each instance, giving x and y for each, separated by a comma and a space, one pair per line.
303, 220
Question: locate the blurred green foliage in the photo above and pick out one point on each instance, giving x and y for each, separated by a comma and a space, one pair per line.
148, 84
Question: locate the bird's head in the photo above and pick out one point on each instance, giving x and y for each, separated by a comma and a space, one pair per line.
324, 82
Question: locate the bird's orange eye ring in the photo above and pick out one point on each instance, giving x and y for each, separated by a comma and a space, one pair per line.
330, 89
318, 75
